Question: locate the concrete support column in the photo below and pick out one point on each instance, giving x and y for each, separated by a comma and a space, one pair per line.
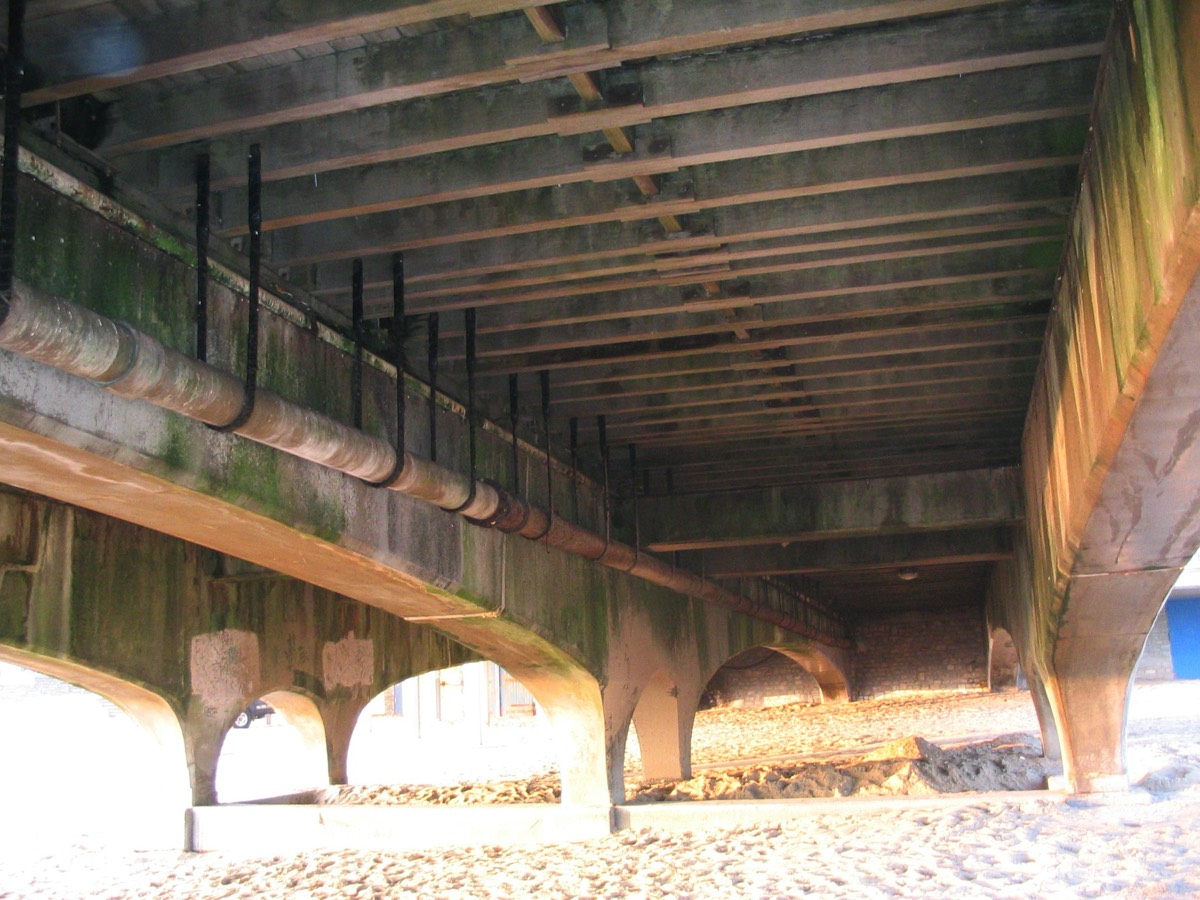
340, 718
204, 732
576, 714
663, 719
1051, 747
580, 739
1108, 617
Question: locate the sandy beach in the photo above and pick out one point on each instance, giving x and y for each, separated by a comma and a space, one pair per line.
1140, 844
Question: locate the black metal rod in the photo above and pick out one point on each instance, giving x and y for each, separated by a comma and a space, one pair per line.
573, 430
544, 378
633, 491
602, 427
202, 233
254, 171
513, 413
400, 355
433, 372
356, 324
469, 323
14, 76
254, 217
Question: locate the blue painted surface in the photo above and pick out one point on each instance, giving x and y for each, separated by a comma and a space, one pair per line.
1183, 626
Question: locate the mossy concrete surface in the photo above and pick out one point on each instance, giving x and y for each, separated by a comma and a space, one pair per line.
1110, 443
584, 639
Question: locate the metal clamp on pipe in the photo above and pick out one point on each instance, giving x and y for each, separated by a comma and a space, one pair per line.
469, 328
127, 354
399, 360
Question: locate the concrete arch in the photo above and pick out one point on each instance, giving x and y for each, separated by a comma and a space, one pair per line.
412, 723
827, 667
156, 718
575, 710
825, 670
299, 754
1004, 669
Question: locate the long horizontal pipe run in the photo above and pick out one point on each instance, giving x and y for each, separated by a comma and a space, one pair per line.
132, 364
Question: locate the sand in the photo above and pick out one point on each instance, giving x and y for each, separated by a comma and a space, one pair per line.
1140, 844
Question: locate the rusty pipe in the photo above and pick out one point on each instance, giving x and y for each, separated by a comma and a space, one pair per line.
539, 525
132, 364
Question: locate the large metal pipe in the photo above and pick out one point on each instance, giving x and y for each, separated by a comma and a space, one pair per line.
127, 362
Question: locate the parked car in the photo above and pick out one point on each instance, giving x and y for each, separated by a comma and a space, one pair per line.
258, 709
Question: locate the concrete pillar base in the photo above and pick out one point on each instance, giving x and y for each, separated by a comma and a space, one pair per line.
1090, 785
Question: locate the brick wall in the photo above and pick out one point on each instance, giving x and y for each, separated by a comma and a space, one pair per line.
944, 650
1155, 664
761, 677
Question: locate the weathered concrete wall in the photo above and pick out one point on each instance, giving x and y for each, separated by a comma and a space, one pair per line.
1131, 257
203, 631
1110, 455
943, 650
587, 641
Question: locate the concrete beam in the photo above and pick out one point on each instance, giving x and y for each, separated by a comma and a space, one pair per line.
891, 551
939, 502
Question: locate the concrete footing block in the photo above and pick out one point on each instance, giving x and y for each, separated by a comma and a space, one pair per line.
700, 815
268, 829
1094, 785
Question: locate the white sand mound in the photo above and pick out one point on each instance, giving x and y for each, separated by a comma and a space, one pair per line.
910, 766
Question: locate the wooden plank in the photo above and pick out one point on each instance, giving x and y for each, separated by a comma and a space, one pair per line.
504, 51
462, 59
745, 392
972, 545
615, 313
547, 23
896, 327
450, 223
939, 108
214, 33
874, 350
685, 391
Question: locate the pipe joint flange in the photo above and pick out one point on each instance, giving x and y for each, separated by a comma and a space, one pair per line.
545, 531
515, 504
130, 339
470, 499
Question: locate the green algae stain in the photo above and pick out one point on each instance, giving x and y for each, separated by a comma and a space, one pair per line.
254, 473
